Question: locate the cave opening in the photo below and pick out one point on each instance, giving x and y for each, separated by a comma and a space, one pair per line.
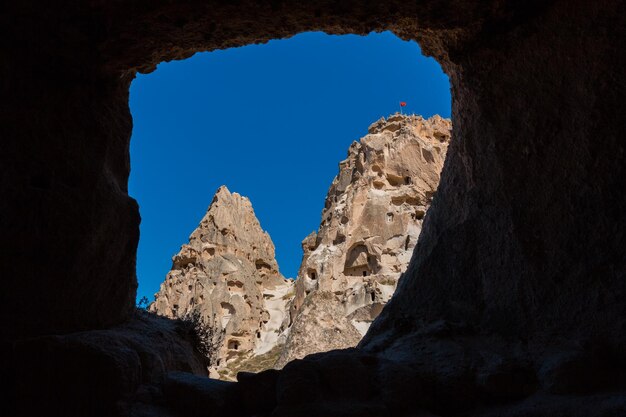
250, 104
519, 160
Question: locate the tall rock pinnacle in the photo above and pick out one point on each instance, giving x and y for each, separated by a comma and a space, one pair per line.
370, 224
227, 278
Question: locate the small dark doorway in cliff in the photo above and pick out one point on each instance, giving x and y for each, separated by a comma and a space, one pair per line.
269, 121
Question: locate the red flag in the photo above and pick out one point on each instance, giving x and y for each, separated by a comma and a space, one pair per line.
402, 103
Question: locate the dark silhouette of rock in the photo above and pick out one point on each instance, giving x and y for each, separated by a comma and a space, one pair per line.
194, 396
99, 372
521, 256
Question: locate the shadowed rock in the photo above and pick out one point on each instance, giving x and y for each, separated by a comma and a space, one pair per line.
521, 256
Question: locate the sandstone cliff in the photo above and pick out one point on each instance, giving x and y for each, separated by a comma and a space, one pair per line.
227, 276
370, 224
227, 279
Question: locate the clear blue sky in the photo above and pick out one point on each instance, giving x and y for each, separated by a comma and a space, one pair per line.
271, 122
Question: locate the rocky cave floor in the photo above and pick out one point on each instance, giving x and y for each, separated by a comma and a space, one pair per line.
148, 367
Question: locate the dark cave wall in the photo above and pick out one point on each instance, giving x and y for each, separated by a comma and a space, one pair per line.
514, 298
526, 237
70, 230
526, 233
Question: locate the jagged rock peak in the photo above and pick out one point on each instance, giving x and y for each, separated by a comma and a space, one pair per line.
231, 226
227, 280
370, 224
397, 121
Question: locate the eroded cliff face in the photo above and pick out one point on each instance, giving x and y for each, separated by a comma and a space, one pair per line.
371, 221
227, 279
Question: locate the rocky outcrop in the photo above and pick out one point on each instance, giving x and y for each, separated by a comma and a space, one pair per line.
522, 251
226, 281
106, 372
371, 221
226, 277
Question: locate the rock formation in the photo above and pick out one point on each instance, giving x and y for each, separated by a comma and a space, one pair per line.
513, 303
370, 224
226, 279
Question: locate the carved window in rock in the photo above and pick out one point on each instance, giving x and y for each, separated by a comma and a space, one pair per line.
235, 286
208, 253
228, 310
395, 181
263, 267
233, 344
389, 217
339, 239
312, 274
359, 261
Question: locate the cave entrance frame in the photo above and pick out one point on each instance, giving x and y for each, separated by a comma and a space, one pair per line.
137, 42
219, 29
420, 78
73, 158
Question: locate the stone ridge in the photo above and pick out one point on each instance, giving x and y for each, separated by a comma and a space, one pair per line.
370, 224
227, 277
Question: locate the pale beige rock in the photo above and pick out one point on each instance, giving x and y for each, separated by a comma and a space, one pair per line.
370, 224
228, 275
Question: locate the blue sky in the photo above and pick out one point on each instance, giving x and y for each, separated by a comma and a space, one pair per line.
270, 122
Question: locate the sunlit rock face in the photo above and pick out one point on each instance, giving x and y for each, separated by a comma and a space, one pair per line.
370, 224
227, 278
